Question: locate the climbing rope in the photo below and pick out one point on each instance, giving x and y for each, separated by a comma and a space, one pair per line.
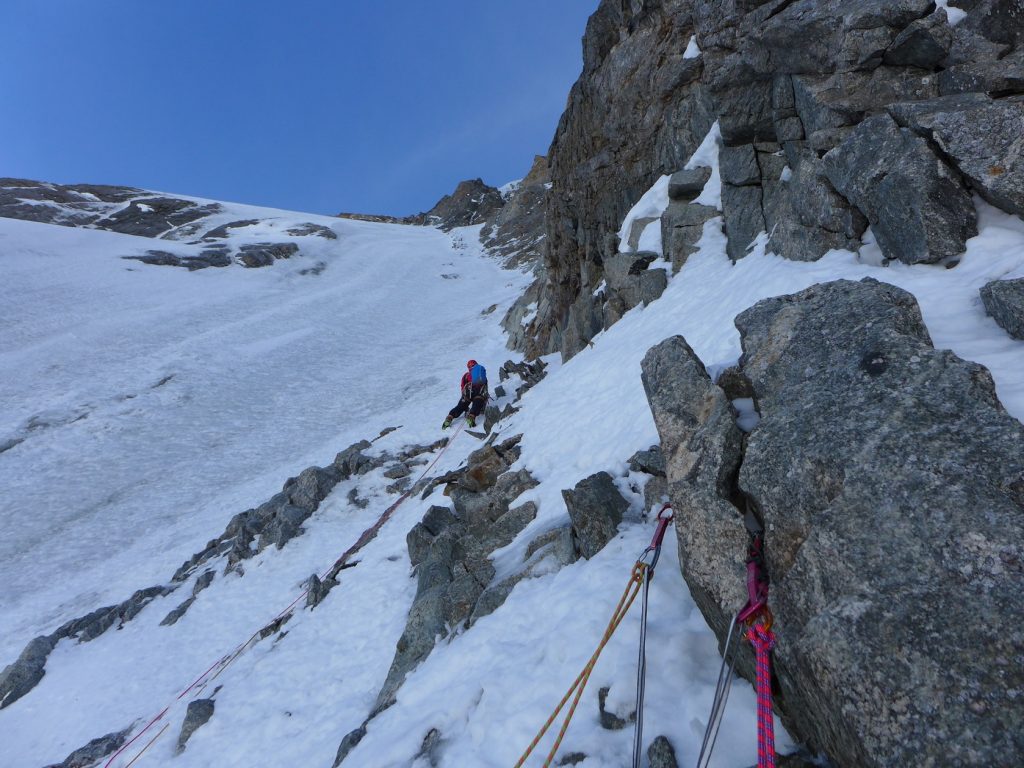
758, 618
639, 577
763, 640
628, 596
218, 667
641, 667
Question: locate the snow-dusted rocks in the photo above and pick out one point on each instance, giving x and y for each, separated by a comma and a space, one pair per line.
891, 484
787, 83
450, 550
1004, 301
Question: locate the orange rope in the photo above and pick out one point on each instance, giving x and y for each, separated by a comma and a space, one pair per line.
629, 594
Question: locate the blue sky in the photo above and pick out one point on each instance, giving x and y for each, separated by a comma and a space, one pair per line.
314, 105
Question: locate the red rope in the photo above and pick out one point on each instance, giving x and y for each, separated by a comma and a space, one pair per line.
763, 640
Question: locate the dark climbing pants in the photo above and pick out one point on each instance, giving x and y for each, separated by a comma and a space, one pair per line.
474, 405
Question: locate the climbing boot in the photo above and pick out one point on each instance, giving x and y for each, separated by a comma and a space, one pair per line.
471, 420
447, 423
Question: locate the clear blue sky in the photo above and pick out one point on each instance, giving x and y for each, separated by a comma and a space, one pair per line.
314, 105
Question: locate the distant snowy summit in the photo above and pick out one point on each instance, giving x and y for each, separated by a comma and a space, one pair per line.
512, 216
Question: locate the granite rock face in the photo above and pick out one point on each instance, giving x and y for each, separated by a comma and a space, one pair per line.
890, 484
800, 90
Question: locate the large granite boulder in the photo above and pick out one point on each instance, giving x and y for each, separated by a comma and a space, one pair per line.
891, 484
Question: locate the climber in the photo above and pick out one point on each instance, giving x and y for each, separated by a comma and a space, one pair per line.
473, 395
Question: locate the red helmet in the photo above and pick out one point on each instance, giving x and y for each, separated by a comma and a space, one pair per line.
470, 364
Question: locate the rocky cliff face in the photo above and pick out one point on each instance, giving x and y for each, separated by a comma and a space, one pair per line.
834, 116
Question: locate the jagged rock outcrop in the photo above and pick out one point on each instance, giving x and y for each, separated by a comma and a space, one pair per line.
450, 550
472, 202
94, 751
516, 231
890, 482
1004, 301
809, 155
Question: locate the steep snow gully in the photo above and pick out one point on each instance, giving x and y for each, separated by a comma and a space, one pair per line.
163, 408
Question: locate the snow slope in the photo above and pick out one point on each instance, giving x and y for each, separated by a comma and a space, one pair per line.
274, 370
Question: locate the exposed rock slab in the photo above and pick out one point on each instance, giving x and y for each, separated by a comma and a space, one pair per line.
983, 138
918, 208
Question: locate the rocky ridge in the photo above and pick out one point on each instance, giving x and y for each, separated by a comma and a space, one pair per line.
193, 234
833, 117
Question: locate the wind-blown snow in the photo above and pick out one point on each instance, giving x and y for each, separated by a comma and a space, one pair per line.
651, 205
122, 473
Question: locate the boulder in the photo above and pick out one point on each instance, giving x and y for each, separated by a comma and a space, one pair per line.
738, 165
917, 206
891, 485
744, 218
1004, 301
651, 461
924, 43
682, 226
595, 508
805, 215
661, 754
197, 715
687, 184
701, 444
